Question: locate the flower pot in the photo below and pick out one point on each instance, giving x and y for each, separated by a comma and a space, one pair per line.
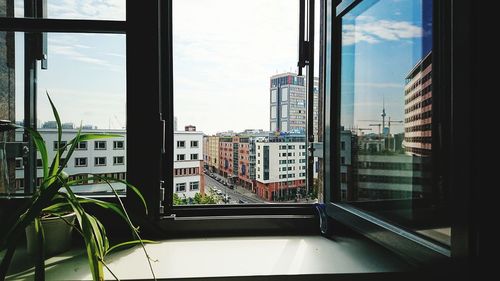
57, 235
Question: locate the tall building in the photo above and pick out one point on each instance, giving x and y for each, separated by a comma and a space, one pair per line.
288, 103
188, 163
418, 109
281, 167
211, 153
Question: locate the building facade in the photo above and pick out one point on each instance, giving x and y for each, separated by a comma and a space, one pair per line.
102, 157
211, 153
288, 103
418, 109
188, 164
280, 167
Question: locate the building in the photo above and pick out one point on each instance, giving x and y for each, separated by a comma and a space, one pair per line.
211, 153
288, 104
103, 157
347, 141
188, 163
418, 109
281, 167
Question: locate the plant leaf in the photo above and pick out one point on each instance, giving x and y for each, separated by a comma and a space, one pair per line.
40, 146
128, 243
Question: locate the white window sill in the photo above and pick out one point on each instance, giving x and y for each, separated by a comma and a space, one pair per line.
231, 256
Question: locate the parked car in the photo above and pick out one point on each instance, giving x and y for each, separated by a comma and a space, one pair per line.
241, 201
231, 186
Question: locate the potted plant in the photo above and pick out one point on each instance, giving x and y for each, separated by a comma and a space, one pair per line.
55, 199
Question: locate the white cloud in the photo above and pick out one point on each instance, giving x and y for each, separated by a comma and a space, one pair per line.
374, 31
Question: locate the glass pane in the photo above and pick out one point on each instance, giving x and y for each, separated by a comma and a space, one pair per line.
386, 115
237, 84
86, 80
70, 9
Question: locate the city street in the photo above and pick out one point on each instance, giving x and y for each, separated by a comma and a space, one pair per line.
236, 194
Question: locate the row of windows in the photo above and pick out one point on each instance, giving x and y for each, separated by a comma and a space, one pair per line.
289, 161
284, 176
417, 94
418, 105
79, 162
182, 144
182, 157
419, 139
425, 115
419, 151
83, 179
193, 186
390, 166
186, 171
418, 82
98, 145
391, 179
419, 128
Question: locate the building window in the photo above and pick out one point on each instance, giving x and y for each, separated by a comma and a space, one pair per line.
118, 145
19, 164
81, 145
194, 143
39, 163
181, 157
180, 187
99, 145
56, 145
342, 145
194, 156
81, 162
100, 161
181, 144
193, 186
118, 160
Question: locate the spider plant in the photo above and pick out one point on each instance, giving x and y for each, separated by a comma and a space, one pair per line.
55, 197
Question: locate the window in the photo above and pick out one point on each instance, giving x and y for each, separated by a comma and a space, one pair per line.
99, 145
194, 143
19, 164
118, 145
81, 162
181, 144
194, 186
194, 156
180, 187
284, 94
81, 145
56, 145
100, 161
118, 160
181, 157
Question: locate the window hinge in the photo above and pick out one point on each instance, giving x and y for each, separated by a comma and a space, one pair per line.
162, 197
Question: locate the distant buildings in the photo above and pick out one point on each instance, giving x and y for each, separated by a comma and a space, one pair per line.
418, 109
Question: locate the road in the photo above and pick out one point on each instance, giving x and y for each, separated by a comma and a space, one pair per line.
234, 195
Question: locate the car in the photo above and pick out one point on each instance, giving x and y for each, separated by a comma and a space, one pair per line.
218, 191
241, 201
231, 186
225, 183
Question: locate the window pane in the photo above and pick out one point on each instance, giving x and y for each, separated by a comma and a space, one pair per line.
386, 115
238, 85
70, 9
86, 81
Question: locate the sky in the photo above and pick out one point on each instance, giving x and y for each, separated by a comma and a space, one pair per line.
382, 42
224, 54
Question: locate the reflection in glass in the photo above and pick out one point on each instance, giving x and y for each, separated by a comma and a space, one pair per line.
386, 115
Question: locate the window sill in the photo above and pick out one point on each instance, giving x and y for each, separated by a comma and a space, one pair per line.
242, 257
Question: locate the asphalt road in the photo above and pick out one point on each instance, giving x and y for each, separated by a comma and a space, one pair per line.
235, 196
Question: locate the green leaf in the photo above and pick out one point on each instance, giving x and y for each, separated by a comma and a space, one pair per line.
58, 120
129, 243
40, 146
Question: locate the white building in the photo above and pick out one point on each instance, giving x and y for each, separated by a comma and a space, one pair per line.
103, 157
281, 166
188, 164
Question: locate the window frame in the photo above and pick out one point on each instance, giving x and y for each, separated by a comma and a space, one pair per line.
415, 249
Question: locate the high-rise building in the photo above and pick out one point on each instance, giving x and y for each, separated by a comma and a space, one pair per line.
288, 104
418, 109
